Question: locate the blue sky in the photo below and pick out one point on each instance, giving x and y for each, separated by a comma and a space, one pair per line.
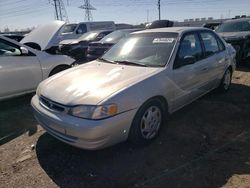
20, 14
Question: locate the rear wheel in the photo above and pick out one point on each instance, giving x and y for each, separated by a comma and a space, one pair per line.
226, 81
147, 122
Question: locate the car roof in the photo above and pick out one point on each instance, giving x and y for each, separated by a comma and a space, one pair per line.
237, 20
172, 30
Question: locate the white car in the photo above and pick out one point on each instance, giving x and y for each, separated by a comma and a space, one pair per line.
22, 68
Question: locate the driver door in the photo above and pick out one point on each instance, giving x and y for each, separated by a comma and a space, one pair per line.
19, 73
189, 76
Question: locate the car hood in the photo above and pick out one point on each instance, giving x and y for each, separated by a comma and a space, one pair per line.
46, 35
91, 83
69, 41
234, 35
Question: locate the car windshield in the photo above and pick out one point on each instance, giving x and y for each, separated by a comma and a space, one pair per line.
234, 26
88, 36
114, 37
69, 28
148, 49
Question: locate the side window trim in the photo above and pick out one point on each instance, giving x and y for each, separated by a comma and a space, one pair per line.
220, 43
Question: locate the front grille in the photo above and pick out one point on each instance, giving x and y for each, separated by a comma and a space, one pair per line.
51, 105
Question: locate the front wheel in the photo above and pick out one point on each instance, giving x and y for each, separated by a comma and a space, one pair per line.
226, 81
147, 122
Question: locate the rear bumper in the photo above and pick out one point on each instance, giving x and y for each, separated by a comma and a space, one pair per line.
82, 133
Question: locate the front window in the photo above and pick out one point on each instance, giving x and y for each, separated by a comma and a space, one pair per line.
148, 49
190, 46
7, 49
239, 26
81, 29
69, 28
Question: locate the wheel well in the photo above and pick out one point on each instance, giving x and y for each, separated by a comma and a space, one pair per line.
162, 100
57, 67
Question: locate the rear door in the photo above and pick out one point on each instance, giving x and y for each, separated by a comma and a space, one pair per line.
216, 56
18, 73
189, 78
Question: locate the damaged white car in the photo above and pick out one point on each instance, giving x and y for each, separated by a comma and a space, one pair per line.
22, 68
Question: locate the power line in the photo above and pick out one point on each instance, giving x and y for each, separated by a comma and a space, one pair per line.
87, 7
60, 11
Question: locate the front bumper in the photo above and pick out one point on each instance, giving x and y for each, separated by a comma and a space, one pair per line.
82, 133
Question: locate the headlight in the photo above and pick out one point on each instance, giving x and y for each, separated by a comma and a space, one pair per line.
74, 42
93, 111
38, 91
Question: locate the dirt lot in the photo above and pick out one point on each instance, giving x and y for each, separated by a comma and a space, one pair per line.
206, 144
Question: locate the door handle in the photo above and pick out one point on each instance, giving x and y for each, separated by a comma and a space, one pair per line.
204, 69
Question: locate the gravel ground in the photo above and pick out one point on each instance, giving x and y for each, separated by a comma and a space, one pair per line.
206, 144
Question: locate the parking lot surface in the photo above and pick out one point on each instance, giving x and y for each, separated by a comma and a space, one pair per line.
206, 144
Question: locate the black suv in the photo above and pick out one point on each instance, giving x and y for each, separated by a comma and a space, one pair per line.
237, 33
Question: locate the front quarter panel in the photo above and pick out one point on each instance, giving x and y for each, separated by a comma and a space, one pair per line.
136, 95
49, 62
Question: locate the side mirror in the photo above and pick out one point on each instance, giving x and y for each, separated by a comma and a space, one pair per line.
187, 60
79, 31
24, 51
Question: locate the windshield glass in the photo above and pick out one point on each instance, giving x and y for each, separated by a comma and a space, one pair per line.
114, 37
69, 28
89, 36
234, 26
150, 49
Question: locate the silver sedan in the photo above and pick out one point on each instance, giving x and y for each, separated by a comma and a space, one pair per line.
129, 92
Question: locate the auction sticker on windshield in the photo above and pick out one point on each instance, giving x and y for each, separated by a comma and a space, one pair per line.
163, 40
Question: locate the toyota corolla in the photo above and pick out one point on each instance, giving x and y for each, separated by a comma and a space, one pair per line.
128, 92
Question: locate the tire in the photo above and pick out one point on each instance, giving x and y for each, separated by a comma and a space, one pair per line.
58, 69
225, 82
146, 126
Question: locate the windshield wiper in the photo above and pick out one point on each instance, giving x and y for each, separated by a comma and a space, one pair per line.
105, 60
131, 63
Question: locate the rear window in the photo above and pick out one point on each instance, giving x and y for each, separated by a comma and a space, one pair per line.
238, 26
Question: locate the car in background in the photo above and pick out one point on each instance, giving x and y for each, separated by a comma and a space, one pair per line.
77, 48
45, 37
15, 37
76, 30
159, 24
97, 49
237, 33
212, 25
22, 68
131, 89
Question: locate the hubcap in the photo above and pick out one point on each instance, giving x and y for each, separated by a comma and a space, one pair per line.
227, 80
150, 122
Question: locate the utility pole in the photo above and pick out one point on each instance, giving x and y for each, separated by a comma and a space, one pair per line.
87, 7
147, 15
60, 11
159, 8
